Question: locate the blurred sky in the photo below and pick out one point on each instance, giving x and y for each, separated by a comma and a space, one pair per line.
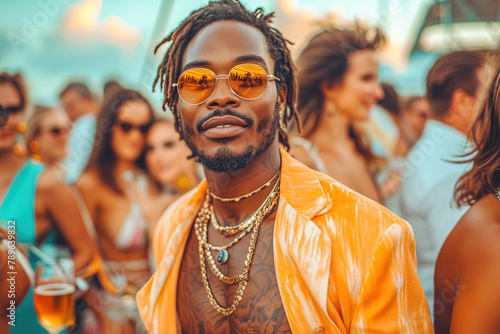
54, 41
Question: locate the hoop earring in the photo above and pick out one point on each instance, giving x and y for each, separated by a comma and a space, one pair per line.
282, 124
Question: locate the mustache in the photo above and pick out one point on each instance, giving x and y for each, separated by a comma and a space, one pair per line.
223, 112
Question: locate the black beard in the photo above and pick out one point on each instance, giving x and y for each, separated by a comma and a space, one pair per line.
224, 161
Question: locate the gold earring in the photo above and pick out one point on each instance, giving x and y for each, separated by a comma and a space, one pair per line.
183, 183
330, 109
282, 124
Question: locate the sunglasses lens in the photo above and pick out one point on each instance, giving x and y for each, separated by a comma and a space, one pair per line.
248, 81
126, 127
4, 117
144, 128
195, 86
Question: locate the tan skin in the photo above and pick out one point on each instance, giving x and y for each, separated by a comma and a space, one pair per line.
167, 163
107, 208
220, 46
467, 272
55, 206
346, 101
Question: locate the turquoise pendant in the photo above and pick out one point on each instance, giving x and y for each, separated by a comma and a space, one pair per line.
223, 256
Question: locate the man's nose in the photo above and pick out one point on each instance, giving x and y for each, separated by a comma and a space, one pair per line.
223, 96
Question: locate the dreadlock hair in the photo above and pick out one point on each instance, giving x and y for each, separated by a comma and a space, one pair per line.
224, 10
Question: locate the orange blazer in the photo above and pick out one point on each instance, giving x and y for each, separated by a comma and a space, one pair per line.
344, 263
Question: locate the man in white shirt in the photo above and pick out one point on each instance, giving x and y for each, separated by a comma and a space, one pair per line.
81, 108
430, 173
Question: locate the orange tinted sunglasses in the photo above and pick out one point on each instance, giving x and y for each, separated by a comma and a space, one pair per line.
247, 81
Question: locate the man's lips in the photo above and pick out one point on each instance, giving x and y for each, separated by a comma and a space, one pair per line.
225, 121
226, 126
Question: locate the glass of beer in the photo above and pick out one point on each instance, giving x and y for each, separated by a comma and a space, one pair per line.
54, 294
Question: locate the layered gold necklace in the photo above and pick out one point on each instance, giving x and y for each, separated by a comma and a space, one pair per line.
252, 224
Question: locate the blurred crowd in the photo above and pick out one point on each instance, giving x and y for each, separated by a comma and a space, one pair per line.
89, 178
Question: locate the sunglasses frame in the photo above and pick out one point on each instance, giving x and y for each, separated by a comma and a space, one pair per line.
58, 131
5, 113
133, 126
270, 77
4, 118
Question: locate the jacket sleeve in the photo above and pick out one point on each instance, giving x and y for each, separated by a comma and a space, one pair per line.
391, 298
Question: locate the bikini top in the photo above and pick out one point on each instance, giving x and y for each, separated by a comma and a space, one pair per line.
133, 232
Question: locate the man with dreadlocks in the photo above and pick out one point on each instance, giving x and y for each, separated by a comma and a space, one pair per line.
264, 244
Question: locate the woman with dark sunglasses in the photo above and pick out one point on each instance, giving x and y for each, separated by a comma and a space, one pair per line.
36, 202
115, 170
46, 136
338, 85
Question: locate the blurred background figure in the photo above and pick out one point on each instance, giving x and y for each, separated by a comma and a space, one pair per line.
415, 111
467, 293
168, 165
110, 88
338, 85
24, 182
46, 136
396, 123
81, 107
393, 139
430, 174
107, 186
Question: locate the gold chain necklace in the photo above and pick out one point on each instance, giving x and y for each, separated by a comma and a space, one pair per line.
239, 198
201, 224
223, 255
244, 225
211, 261
229, 231
232, 243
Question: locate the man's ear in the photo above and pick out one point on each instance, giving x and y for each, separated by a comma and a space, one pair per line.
461, 102
282, 94
458, 99
461, 110
179, 124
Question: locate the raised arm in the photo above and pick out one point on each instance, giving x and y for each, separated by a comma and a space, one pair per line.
391, 299
61, 206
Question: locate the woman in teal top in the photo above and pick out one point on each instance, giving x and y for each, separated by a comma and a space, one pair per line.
19, 205
39, 201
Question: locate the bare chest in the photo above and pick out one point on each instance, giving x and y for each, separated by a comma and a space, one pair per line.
260, 310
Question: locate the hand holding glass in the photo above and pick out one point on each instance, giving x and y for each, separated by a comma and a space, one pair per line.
54, 294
